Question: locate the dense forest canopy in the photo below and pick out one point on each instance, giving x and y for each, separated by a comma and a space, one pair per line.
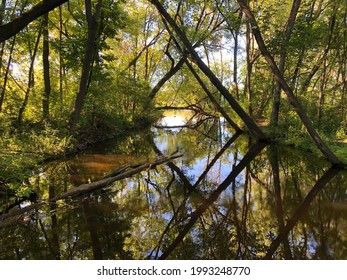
91, 69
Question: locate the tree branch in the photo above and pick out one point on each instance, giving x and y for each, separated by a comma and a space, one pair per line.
13, 27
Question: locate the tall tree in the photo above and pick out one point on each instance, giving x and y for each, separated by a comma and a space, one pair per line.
282, 61
280, 79
250, 59
31, 75
323, 85
46, 74
92, 18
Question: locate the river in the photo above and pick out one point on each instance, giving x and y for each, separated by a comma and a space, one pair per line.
226, 198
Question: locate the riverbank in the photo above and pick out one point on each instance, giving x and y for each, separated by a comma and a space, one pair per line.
23, 150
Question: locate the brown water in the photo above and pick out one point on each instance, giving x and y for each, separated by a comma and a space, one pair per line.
226, 198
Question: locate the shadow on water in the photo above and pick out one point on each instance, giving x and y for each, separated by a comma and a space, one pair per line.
227, 198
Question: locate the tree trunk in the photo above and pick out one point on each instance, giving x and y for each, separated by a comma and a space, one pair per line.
2, 10
118, 174
290, 95
46, 75
322, 88
254, 129
320, 100
249, 67
166, 77
4, 85
92, 20
283, 56
210, 95
234, 29
235, 54
30, 80
61, 60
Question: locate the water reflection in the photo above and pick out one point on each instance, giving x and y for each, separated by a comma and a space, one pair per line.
227, 198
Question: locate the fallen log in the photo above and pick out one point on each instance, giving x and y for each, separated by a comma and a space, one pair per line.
23, 215
119, 174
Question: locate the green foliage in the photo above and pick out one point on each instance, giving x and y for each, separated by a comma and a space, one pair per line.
49, 142
341, 132
22, 150
21, 189
114, 105
16, 166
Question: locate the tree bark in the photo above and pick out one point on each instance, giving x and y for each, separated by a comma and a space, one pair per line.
235, 53
2, 11
290, 95
253, 128
10, 29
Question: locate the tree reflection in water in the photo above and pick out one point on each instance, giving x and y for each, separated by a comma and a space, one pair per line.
228, 198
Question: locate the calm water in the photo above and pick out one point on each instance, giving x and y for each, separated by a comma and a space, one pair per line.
226, 198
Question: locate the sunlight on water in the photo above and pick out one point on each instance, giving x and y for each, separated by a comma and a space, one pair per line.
173, 121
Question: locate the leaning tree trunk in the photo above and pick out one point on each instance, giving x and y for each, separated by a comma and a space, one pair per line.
286, 88
252, 126
166, 77
210, 95
199, 80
